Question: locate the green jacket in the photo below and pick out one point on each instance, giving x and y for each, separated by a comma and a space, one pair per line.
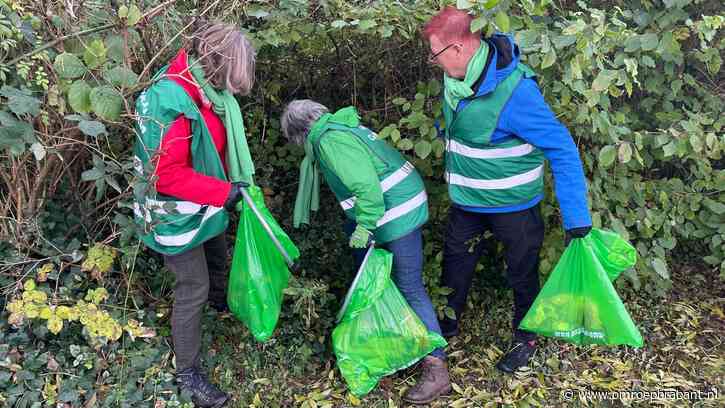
373, 182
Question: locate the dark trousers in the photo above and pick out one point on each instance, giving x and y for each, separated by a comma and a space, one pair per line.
521, 233
201, 274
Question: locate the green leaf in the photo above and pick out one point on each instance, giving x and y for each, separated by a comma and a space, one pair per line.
602, 81
92, 174
502, 21
115, 48
367, 24
423, 149
38, 151
121, 76
478, 23
134, 15
648, 41
490, 4
463, 4
338, 24
625, 152
79, 96
21, 102
714, 206
95, 54
606, 156
106, 102
68, 66
257, 12
123, 11
405, 144
92, 127
438, 147
661, 268
549, 59
670, 148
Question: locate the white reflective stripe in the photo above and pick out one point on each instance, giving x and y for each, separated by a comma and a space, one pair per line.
516, 151
402, 209
387, 183
183, 207
497, 184
141, 212
185, 238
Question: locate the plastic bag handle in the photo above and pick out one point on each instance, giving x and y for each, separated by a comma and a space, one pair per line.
348, 295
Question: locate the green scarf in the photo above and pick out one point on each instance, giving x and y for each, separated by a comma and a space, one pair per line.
456, 89
238, 160
308, 191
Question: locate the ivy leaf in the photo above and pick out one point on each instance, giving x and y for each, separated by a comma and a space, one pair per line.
106, 102
92, 128
92, 174
95, 54
79, 96
661, 268
606, 156
68, 66
257, 12
423, 149
714, 206
490, 4
121, 76
405, 144
367, 24
502, 21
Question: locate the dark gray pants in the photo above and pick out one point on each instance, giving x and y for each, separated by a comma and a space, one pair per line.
201, 274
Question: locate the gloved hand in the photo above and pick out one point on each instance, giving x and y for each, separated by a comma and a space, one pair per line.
580, 232
360, 237
235, 195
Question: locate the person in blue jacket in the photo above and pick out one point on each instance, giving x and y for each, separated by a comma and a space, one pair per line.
499, 131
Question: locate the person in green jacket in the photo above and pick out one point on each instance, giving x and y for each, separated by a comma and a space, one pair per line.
383, 197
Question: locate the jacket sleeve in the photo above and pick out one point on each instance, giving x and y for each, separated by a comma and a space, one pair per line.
176, 176
528, 116
350, 161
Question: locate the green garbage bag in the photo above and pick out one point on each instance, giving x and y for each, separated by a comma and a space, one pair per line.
613, 252
578, 303
378, 333
259, 273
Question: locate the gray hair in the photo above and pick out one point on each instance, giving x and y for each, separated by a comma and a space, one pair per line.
227, 57
298, 118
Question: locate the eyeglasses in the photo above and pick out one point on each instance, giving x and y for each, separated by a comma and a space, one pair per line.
432, 57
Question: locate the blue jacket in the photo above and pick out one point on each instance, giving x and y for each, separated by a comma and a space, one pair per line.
527, 116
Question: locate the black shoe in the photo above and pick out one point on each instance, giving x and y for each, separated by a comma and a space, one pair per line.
449, 327
220, 307
203, 393
518, 356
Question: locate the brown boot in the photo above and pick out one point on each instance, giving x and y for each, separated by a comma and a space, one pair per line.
433, 382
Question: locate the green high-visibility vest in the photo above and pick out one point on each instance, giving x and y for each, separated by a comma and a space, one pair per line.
406, 202
165, 224
482, 174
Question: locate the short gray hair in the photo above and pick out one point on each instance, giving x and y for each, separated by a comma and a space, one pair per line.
298, 118
227, 57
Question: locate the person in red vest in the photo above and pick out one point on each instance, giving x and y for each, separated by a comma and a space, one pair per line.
187, 120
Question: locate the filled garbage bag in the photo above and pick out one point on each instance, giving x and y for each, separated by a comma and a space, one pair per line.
613, 252
579, 304
378, 333
259, 272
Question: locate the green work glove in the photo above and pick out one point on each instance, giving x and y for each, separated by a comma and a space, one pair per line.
360, 237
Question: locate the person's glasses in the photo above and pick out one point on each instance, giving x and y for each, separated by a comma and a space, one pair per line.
433, 57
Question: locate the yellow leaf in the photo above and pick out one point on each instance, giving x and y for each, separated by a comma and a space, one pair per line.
55, 325
29, 285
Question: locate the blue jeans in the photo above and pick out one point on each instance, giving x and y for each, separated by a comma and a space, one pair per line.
408, 276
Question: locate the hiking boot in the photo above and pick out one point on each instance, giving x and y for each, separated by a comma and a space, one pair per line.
518, 356
449, 327
432, 383
203, 393
220, 307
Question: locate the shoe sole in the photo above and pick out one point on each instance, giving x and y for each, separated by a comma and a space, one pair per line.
444, 391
